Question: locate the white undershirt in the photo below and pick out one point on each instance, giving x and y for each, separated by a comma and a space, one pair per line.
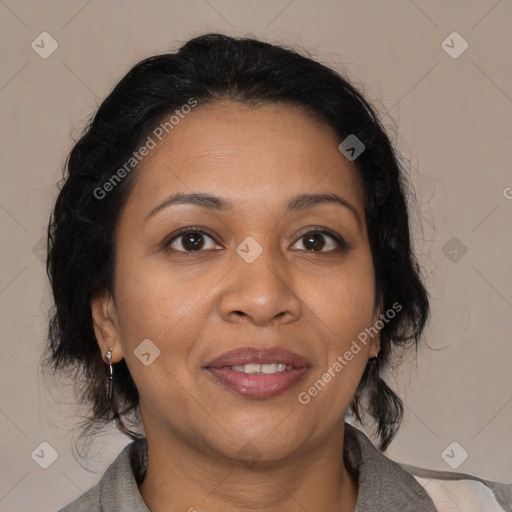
460, 495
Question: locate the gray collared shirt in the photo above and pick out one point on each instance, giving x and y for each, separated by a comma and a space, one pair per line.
384, 485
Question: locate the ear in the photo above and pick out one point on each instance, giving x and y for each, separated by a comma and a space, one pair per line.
106, 326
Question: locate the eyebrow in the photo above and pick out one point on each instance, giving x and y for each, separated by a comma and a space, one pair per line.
298, 203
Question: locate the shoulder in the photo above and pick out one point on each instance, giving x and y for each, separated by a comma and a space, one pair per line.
454, 492
393, 486
87, 502
117, 490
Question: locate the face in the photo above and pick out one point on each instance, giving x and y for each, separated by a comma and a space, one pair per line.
257, 268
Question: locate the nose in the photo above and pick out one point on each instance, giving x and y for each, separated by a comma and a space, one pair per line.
259, 293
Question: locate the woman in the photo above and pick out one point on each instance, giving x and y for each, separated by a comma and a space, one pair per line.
231, 264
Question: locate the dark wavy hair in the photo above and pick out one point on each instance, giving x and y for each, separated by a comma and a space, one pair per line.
81, 231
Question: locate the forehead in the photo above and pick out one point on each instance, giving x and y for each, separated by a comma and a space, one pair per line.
246, 152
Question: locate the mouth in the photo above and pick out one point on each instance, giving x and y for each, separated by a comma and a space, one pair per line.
258, 373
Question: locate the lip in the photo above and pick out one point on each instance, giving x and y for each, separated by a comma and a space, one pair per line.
258, 385
248, 355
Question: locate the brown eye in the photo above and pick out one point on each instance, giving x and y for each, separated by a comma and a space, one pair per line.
314, 242
320, 241
192, 241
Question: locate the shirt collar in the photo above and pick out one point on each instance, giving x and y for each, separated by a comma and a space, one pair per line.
384, 485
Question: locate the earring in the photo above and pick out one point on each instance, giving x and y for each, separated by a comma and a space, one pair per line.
108, 358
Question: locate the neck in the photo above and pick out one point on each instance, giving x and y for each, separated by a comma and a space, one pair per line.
183, 477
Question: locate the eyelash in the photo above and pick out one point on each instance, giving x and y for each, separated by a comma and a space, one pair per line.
338, 239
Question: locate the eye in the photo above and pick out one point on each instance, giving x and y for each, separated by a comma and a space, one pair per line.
321, 241
191, 240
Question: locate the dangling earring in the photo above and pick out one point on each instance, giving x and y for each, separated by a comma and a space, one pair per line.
108, 358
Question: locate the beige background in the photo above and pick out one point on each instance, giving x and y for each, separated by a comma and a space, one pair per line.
453, 117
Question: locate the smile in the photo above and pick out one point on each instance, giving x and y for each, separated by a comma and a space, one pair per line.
267, 369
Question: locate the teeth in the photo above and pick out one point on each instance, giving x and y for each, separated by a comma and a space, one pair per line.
262, 368
252, 368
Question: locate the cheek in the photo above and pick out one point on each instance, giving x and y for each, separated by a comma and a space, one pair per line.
168, 309
341, 313
169, 306
343, 308
344, 299
154, 297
